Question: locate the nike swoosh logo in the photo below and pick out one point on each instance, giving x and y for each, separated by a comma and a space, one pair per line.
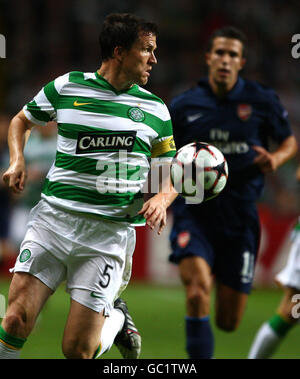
194, 117
93, 294
76, 104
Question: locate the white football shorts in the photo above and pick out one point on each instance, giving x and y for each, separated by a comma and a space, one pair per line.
289, 276
94, 256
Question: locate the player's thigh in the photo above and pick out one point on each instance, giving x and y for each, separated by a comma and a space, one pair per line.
193, 253
82, 331
93, 283
27, 295
289, 304
101, 268
230, 306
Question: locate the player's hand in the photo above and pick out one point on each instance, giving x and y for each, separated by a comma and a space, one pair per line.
155, 212
265, 160
15, 176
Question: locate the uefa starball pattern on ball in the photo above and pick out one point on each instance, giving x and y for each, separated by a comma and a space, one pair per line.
199, 172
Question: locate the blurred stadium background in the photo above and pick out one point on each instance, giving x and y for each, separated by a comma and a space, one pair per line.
45, 39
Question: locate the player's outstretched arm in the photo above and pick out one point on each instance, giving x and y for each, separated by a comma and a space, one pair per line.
18, 134
155, 209
269, 162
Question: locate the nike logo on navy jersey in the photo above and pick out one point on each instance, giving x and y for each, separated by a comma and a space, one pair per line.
194, 117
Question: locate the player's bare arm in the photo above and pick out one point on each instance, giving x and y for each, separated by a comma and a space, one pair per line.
18, 134
269, 162
155, 209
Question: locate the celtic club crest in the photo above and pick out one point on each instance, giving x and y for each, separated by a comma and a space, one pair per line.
136, 114
25, 255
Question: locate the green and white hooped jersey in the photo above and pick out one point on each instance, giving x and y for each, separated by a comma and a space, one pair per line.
105, 140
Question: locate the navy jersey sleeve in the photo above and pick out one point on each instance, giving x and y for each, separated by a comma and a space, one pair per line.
278, 122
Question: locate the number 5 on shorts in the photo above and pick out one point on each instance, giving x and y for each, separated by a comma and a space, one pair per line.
106, 275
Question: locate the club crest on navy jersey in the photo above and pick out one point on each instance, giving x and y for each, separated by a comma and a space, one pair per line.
244, 111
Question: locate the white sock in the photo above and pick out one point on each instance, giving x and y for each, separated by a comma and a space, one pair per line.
112, 325
8, 353
265, 343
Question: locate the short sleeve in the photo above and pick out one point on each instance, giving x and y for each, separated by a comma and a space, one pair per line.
164, 146
43, 107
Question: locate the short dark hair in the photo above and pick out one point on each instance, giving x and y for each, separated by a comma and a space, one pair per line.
122, 29
228, 32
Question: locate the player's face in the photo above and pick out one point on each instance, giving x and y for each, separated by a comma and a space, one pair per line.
225, 60
138, 61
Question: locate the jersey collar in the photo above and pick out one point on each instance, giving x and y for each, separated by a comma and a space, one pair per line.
233, 94
237, 89
106, 85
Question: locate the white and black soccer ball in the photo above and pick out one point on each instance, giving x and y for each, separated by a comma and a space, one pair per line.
199, 172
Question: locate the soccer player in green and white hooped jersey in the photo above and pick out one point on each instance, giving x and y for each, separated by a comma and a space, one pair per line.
95, 122
82, 230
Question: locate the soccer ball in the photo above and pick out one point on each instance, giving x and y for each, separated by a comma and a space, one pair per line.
199, 172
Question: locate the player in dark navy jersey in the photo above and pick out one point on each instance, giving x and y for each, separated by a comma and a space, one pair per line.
217, 241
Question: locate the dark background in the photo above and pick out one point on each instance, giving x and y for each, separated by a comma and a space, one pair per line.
48, 38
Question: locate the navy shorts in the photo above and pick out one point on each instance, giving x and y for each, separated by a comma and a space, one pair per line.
226, 236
